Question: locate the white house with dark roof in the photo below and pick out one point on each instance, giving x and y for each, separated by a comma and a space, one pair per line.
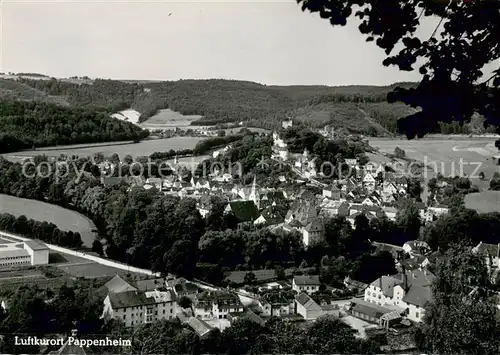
306, 283
307, 307
216, 304
409, 290
314, 232
133, 307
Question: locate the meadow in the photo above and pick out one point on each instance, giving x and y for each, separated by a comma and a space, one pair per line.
63, 218
450, 157
168, 119
143, 148
483, 202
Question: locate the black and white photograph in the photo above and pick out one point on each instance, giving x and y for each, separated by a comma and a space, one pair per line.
249, 177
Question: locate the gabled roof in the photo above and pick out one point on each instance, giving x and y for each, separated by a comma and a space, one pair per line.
418, 295
273, 215
307, 302
150, 285
369, 309
387, 284
129, 299
315, 226
199, 326
488, 249
307, 280
117, 285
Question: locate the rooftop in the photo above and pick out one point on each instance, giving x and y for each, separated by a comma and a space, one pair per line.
306, 301
307, 280
129, 299
369, 309
418, 295
150, 285
36, 245
117, 285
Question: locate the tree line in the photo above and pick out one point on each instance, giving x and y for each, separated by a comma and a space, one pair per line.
27, 125
230, 101
44, 231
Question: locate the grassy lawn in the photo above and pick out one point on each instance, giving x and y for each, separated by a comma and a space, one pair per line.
64, 219
483, 202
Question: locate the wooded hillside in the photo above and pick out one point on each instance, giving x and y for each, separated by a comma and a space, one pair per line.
357, 109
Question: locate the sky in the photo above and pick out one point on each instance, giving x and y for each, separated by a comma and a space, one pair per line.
271, 42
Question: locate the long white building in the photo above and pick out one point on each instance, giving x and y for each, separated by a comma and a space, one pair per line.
23, 254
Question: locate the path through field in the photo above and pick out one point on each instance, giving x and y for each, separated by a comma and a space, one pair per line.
450, 157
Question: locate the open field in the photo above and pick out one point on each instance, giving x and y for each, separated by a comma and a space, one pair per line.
450, 157
168, 119
483, 202
144, 148
63, 218
90, 270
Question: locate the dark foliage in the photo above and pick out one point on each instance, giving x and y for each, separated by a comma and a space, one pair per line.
26, 125
44, 231
450, 90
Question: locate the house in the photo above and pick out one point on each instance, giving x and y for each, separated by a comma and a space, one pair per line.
155, 182
117, 285
199, 326
151, 285
135, 307
369, 182
332, 192
331, 310
287, 123
271, 215
216, 304
246, 315
275, 304
390, 213
314, 232
408, 290
273, 198
70, 347
439, 210
183, 288
303, 212
354, 285
416, 247
307, 308
352, 163
329, 208
307, 283
491, 253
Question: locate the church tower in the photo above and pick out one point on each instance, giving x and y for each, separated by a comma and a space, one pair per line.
254, 193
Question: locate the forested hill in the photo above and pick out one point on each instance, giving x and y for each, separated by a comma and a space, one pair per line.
357, 109
27, 124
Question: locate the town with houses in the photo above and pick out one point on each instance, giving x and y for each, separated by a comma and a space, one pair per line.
390, 302
387, 302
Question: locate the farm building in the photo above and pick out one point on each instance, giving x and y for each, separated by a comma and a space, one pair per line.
373, 313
